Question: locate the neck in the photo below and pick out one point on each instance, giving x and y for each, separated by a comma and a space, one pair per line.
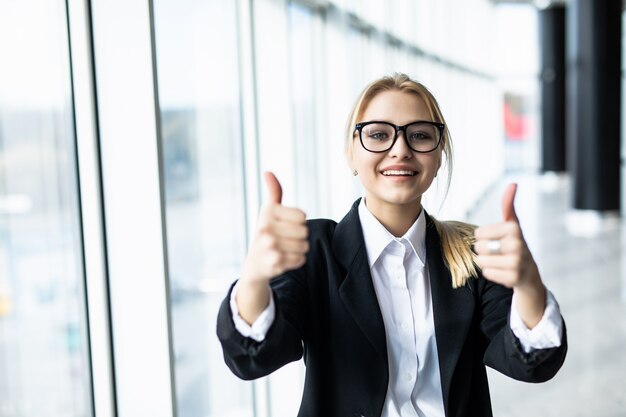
396, 218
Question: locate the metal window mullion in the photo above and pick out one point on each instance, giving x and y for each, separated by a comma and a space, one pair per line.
88, 158
249, 111
134, 207
251, 154
321, 120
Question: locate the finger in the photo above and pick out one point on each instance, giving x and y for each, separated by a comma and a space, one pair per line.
274, 188
507, 246
508, 208
508, 262
290, 230
293, 246
501, 276
276, 213
293, 261
497, 231
288, 214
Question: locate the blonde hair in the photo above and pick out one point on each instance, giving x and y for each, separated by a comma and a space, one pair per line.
457, 238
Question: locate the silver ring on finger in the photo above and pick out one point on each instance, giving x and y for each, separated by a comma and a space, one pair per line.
494, 246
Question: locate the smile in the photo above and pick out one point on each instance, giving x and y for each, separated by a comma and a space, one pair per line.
393, 172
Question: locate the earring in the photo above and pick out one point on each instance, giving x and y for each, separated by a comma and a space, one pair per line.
355, 173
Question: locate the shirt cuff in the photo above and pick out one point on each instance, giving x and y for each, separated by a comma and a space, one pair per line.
546, 334
261, 326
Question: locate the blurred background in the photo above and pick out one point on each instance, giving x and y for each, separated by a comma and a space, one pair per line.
132, 139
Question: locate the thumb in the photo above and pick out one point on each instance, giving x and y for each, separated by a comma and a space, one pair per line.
508, 209
274, 188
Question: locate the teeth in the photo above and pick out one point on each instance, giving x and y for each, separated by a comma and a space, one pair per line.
397, 172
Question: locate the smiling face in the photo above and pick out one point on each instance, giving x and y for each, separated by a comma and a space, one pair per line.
398, 178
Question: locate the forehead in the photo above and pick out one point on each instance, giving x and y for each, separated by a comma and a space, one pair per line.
397, 107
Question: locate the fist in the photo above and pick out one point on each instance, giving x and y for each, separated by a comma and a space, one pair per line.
280, 240
502, 252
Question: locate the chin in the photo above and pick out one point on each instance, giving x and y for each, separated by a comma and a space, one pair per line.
403, 200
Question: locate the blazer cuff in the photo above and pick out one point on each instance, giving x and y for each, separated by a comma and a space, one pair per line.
546, 334
258, 330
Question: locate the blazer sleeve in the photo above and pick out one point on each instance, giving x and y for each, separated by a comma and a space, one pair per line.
249, 359
504, 351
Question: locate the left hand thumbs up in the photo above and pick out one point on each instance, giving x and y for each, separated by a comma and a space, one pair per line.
508, 209
503, 255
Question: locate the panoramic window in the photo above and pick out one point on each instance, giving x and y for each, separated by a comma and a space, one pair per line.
198, 82
44, 361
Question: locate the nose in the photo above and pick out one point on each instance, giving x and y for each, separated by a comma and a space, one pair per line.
400, 148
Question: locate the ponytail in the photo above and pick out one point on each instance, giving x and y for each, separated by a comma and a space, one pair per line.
457, 239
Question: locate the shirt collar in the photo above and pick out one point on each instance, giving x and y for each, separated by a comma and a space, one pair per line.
377, 238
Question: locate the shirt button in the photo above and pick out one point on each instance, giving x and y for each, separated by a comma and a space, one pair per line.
404, 325
408, 376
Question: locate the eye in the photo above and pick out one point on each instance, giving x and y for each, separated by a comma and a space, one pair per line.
377, 135
378, 132
419, 136
421, 132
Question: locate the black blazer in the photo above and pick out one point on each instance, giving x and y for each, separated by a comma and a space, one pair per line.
327, 311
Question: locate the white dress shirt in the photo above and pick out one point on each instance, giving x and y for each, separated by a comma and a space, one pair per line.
400, 277
406, 306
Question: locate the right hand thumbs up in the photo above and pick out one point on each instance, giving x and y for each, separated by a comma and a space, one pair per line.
274, 188
280, 242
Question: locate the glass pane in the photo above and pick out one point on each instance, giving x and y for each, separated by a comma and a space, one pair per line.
287, 383
303, 92
273, 96
197, 66
44, 363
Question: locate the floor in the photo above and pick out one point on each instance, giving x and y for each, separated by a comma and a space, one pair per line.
583, 262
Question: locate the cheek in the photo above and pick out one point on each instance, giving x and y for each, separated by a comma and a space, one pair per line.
366, 162
431, 162
358, 157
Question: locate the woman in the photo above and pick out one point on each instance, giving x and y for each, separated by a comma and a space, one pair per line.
395, 313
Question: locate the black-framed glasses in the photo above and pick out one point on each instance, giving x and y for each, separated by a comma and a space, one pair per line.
421, 136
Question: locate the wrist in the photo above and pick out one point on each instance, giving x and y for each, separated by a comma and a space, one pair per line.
255, 284
530, 281
531, 288
251, 278
252, 298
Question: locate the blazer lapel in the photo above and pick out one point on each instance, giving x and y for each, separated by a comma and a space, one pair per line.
357, 290
452, 309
